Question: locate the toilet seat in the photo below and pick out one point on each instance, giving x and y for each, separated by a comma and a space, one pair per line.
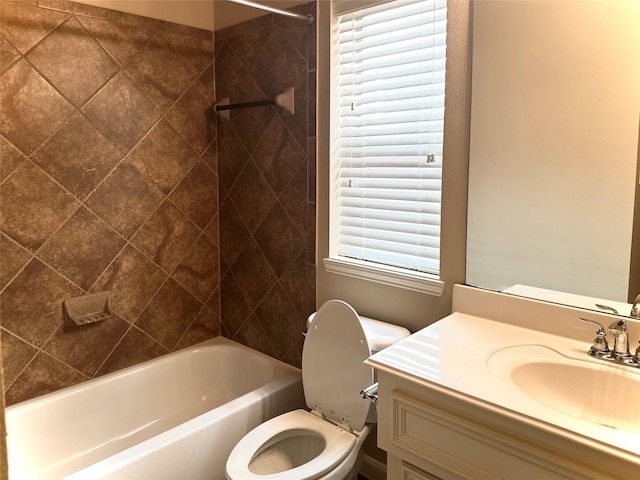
333, 368
338, 443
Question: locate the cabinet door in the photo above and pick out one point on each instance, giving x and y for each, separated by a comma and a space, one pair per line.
411, 472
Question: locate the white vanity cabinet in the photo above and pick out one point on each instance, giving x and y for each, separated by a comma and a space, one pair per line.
450, 407
426, 439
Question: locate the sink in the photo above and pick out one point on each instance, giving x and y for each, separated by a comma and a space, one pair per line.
607, 398
505, 388
597, 393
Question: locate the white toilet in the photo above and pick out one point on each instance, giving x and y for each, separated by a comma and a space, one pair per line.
323, 444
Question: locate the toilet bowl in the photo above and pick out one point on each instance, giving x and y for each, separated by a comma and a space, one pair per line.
325, 442
297, 445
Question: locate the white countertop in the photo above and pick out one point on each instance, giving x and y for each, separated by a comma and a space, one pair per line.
460, 356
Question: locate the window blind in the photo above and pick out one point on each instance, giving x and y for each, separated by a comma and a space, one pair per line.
390, 118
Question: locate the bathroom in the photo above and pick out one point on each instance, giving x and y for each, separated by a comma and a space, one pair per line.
212, 228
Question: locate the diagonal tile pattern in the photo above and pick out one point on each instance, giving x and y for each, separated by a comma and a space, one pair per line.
25, 25
121, 111
132, 280
135, 347
278, 155
189, 118
164, 157
30, 305
108, 181
83, 69
10, 159
182, 306
166, 237
43, 375
279, 240
197, 194
265, 163
78, 156
160, 72
120, 40
85, 348
82, 248
14, 257
125, 199
8, 54
31, 215
31, 108
252, 196
199, 271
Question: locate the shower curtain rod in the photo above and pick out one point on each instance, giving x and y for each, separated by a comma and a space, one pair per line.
286, 101
286, 13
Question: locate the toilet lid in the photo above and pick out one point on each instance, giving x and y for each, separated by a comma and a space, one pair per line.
333, 372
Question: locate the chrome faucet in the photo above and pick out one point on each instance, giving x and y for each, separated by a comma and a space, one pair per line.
635, 310
620, 352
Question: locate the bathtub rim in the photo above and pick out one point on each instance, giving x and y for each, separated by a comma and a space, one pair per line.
281, 374
280, 367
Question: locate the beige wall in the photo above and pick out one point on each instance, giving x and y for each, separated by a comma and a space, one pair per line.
408, 308
554, 138
634, 276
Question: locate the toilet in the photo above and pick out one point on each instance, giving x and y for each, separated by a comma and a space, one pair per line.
324, 443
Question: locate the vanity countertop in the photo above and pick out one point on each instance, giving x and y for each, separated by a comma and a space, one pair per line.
473, 359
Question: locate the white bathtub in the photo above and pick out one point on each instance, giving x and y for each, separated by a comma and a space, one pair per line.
176, 417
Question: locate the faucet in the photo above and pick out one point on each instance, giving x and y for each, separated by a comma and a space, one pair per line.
635, 310
620, 339
620, 352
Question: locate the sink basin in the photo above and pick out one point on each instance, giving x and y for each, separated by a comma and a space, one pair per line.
604, 397
597, 393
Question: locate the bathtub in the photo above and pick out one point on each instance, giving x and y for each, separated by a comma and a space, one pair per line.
175, 417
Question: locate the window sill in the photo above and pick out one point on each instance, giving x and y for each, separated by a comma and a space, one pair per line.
395, 277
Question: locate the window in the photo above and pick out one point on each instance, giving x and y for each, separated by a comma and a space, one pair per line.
388, 118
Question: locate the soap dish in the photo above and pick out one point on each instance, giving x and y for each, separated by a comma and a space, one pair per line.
86, 309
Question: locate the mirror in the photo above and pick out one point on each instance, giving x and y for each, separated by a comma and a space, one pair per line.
554, 150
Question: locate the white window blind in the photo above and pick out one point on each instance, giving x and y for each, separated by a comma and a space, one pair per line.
390, 118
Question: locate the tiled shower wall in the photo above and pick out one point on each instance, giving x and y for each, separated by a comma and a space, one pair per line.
266, 163
108, 182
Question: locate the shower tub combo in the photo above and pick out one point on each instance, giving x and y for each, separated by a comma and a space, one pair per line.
178, 416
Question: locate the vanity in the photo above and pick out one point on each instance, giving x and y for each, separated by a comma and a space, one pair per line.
504, 387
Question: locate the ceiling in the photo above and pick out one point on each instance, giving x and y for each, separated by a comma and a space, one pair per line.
227, 13
206, 14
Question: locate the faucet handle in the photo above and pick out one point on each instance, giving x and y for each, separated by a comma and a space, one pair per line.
600, 345
621, 339
618, 326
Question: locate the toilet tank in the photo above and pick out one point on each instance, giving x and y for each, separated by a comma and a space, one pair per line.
379, 334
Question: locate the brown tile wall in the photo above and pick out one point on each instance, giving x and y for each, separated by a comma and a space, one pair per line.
108, 174
266, 162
